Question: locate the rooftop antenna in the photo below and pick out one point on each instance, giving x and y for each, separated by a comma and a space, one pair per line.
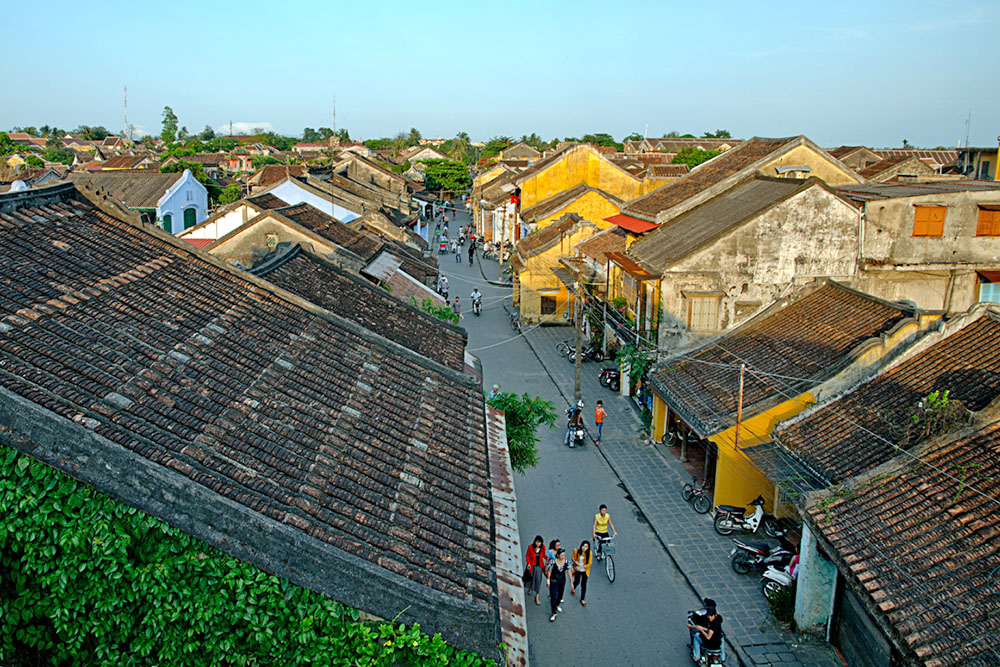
127, 129
645, 132
968, 126
335, 115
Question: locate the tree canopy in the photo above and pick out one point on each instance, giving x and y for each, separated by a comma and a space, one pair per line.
446, 175
524, 415
692, 156
718, 134
169, 131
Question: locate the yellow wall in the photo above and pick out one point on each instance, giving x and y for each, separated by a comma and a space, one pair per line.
538, 275
580, 165
659, 418
590, 206
737, 480
821, 166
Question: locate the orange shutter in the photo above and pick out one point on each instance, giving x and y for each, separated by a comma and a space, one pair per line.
988, 223
929, 221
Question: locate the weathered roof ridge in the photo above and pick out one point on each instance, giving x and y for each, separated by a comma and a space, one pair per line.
568, 196
546, 237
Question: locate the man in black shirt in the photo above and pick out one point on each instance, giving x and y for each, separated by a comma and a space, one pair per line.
706, 631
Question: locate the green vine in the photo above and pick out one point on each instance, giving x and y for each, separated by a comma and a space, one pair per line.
636, 361
441, 312
87, 580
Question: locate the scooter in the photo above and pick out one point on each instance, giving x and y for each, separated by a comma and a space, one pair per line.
749, 556
611, 378
774, 580
586, 354
477, 306
729, 518
574, 432
709, 656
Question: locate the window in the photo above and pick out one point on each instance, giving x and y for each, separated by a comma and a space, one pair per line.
989, 286
168, 224
190, 195
548, 304
928, 220
703, 313
988, 223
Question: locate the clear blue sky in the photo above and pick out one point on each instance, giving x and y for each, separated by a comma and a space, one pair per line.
866, 72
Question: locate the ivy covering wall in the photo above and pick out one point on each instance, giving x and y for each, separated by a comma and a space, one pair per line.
85, 579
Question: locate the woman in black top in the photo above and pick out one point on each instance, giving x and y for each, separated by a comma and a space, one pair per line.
557, 581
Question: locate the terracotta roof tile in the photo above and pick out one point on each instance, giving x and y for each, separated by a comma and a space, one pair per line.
136, 188
599, 245
810, 337
363, 245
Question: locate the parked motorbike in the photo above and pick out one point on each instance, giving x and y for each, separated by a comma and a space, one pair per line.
709, 657
589, 353
477, 305
729, 518
749, 556
775, 579
574, 432
611, 378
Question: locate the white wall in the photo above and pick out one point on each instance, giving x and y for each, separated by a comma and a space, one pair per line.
222, 225
292, 194
185, 193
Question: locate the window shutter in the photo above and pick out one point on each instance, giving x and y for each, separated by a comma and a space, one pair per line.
704, 314
988, 223
929, 220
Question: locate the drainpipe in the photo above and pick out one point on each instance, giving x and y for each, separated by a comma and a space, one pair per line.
861, 240
948, 292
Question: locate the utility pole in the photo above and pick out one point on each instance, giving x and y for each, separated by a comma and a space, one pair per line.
739, 409
578, 307
334, 116
230, 129
128, 133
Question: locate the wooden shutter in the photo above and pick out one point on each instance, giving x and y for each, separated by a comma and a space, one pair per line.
703, 314
988, 223
929, 220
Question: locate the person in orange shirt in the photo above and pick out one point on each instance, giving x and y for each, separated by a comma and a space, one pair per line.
581, 570
599, 415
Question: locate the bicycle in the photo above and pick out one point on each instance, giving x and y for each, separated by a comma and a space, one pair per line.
515, 322
563, 348
606, 550
697, 491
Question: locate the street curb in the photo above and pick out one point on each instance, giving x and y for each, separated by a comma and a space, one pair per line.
495, 283
734, 649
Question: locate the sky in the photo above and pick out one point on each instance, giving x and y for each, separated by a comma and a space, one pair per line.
872, 73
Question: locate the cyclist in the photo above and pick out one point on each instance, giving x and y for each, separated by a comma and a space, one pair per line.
602, 522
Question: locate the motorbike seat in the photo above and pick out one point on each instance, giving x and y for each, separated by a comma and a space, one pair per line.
765, 548
732, 509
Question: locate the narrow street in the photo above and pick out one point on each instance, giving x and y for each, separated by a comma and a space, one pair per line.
637, 620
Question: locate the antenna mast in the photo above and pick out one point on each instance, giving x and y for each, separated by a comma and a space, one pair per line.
126, 129
335, 115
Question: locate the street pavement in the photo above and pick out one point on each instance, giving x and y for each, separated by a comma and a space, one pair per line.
637, 620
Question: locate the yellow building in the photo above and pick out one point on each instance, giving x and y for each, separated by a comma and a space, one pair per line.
728, 396
539, 290
589, 203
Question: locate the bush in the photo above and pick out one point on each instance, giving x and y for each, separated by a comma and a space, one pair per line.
87, 580
782, 604
524, 415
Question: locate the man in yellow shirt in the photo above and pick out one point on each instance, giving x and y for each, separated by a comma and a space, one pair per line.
602, 522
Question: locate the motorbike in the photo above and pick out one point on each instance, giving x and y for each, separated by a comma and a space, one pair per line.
477, 305
709, 657
749, 556
574, 432
611, 378
775, 579
729, 518
588, 353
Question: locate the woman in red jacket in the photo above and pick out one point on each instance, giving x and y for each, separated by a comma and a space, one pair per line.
536, 565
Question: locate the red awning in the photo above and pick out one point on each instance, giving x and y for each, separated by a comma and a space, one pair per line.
634, 225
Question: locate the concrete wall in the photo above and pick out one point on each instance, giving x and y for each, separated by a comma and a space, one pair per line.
821, 165
291, 193
815, 588
934, 273
581, 165
222, 225
811, 234
590, 206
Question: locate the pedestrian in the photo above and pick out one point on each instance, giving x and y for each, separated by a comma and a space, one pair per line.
554, 547
472, 252
582, 558
557, 581
599, 415
443, 286
458, 255
536, 560
602, 521
457, 308
493, 392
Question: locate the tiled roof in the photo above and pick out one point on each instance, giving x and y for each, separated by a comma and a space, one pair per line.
634, 225
363, 245
710, 220
252, 419
886, 163
122, 161
557, 202
844, 151
918, 543
267, 201
935, 158
668, 170
811, 337
599, 245
705, 176
270, 174
199, 243
834, 438
862, 192
321, 282
534, 243
136, 188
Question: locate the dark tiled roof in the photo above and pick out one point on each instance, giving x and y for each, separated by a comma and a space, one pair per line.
873, 170
267, 201
834, 437
123, 161
138, 188
363, 245
270, 174
534, 243
556, 203
599, 245
289, 420
844, 151
935, 158
705, 176
812, 337
668, 170
321, 282
868, 191
681, 235
919, 545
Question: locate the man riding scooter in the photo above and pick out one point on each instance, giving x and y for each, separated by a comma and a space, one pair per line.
477, 300
574, 429
705, 626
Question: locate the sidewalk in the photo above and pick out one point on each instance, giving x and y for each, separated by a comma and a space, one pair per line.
653, 477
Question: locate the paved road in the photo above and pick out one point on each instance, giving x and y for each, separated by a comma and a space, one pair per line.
637, 620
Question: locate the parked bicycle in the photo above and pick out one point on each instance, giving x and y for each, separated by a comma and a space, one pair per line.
563, 348
696, 492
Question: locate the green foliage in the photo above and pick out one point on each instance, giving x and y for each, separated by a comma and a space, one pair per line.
400, 168
382, 144
91, 133
441, 312
636, 361
620, 303
230, 193
259, 161
782, 604
34, 161
55, 151
718, 134
524, 415
87, 580
495, 145
8, 145
932, 416
169, 131
198, 171
207, 134
601, 139
446, 175
692, 156
635, 136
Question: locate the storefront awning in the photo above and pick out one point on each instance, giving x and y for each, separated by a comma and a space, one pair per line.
630, 266
634, 225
